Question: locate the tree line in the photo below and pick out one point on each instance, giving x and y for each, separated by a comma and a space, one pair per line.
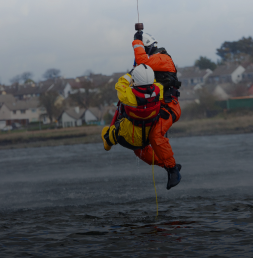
27, 76
230, 51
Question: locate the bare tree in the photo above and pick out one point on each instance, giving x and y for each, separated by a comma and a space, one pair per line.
88, 72
47, 100
107, 94
26, 76
51, 73
86, 97
15, 79
205, 106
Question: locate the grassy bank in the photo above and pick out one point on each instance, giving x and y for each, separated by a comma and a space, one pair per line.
232, 124
212, 126
53, 137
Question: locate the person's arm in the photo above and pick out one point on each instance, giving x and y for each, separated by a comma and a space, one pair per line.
125, 94
158, 62
124, 90
139, 52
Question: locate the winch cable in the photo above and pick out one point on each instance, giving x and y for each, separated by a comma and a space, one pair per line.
138, 10
153, 163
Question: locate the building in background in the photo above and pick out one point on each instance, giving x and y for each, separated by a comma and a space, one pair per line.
31, 89
193, 76
20, 111
71, 117
228, 73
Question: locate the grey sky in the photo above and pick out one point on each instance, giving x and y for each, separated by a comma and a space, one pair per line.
76, 35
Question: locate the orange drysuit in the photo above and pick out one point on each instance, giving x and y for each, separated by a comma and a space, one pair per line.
172, 111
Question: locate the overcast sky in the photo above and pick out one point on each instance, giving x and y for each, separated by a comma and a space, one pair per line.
76, 35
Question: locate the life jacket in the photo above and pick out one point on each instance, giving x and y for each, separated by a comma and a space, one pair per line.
147, 111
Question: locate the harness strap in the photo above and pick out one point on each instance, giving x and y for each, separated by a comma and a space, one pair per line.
114, 135
169, 92
143, 134
166, 115
139, 122
147, 142
143, 127
133, 134
147, 91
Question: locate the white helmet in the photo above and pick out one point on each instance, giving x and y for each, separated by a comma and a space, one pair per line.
148, 39
143, 75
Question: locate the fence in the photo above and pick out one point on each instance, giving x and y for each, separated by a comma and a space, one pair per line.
236, 103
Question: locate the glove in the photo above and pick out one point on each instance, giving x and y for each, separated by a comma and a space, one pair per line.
131, 72
138, 35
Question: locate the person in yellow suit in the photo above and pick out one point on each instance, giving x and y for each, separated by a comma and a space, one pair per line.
139, 109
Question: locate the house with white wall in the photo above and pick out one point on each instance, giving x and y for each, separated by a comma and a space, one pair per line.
228, 73
192, 76
75, 116
31, 89
247, 75
92, 116
20, 111
63, 87
71, 117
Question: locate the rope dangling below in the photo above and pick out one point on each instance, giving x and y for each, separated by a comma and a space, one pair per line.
153, 163
133, 133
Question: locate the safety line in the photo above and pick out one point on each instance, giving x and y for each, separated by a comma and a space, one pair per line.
153, 163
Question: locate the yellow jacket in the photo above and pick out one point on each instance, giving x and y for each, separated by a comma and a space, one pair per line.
124, 91
127, 134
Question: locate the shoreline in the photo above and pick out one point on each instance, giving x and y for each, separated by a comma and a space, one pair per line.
91, 134
52, 137
213, 126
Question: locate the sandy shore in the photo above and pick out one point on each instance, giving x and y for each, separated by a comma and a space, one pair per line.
91, 134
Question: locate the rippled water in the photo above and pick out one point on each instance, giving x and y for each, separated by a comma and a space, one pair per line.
80, 201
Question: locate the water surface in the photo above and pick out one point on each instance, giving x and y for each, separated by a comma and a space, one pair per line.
81, 201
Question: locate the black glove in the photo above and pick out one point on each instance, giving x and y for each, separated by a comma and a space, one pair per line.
131, 72
138, 35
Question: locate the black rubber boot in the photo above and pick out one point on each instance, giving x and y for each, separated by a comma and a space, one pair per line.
174, 176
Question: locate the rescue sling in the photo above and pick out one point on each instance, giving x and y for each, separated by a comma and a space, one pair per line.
147, 111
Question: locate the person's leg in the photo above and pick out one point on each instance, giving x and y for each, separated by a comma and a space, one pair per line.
160, 144
146, 155
162, 148
109, 137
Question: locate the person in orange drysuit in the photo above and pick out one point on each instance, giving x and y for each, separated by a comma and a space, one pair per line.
160, 61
